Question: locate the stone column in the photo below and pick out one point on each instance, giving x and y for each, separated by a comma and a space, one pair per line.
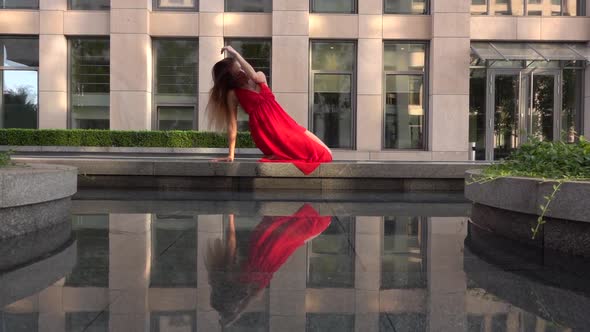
129, 271
287, 294
585, 126
370, 72
449, 79
53, 65
131, 65
210, 43
290, 57
367, 281
209, 227
447, 285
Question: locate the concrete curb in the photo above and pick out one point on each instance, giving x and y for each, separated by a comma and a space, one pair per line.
525, 195
31, 184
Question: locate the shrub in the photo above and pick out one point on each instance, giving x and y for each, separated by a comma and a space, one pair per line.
114, 138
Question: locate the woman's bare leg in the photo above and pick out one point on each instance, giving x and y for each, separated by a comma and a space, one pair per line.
316, 139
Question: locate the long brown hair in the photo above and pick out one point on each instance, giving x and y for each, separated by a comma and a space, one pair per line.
218, 111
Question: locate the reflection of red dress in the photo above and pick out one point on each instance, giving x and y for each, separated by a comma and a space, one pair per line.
275, 133
275, 239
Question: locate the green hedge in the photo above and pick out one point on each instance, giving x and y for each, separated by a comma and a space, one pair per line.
119, 138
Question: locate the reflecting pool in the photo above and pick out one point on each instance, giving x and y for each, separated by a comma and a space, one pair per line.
284, 261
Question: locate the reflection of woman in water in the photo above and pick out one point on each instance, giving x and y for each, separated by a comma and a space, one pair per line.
234, 284
273, 131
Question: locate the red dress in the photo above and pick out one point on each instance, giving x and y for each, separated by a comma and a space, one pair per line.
275, 239
275, 133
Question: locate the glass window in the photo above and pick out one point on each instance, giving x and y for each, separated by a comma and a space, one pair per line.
333, 6
262, 6
81, 321
258, 53
405, 110
332, 84
89, 83
571, 115
175, 83
403, 264
176, 236
176, 4
180, 321
329, 322
19, 82
92, 266
89, 4
19, 322
415, 7
404, 321
19, 4
477, 113
330, 256
528, 7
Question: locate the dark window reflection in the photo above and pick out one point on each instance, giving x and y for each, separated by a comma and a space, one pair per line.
403, 263
402, 322
477, 113
331, 256
12, 322
87, 321
248, 5
89, 4
416, 7
333, 6
329, 322
19, 4
177, 321
92, 238
174, 251
251, 322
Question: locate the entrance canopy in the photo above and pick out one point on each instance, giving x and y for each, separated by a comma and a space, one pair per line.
530, 51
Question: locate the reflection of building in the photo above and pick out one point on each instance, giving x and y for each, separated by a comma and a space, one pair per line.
142, 272
389, 79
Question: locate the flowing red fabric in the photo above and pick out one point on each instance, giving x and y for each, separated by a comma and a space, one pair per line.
275, 239
275, 133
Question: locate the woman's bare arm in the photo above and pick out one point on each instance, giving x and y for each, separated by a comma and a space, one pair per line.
257, 77
232, 124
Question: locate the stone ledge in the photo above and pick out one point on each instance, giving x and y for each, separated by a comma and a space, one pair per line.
250, 168
31, 184
525, 195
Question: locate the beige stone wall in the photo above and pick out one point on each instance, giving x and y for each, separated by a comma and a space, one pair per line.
131, 24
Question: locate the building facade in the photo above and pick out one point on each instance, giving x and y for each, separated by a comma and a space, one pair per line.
375, 79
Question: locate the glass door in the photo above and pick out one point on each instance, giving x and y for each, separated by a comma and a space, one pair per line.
543, 106
522, 104
504, 116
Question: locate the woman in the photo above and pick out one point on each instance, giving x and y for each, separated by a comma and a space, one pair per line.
273, 131
234, 284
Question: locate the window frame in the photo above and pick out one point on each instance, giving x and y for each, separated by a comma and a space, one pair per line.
425, 97
155, 104
156, 7
69, 92
3, 69
355, 8
581, 10
353, 87
426, 9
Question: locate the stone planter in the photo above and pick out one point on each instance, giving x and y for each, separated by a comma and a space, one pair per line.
510, 207
33, 197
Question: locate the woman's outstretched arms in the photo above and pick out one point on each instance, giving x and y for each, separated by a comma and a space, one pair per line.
257, 77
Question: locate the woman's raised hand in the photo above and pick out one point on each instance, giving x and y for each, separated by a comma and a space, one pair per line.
229, 50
